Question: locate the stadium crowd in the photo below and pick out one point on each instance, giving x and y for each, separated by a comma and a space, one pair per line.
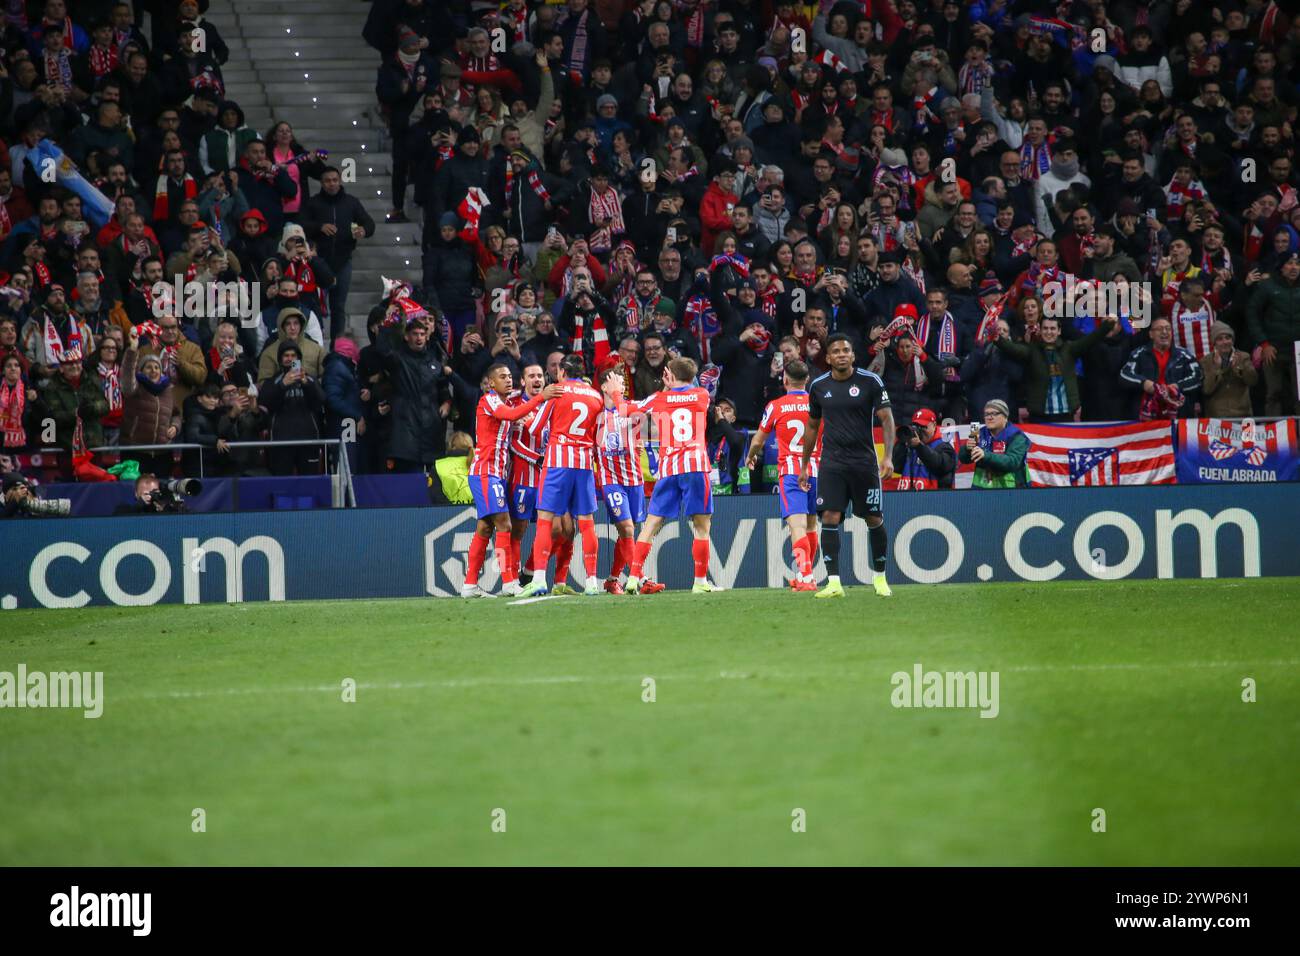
729, 181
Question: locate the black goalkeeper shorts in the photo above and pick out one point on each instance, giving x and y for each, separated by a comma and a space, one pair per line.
840, 486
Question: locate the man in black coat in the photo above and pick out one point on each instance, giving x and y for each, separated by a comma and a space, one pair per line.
420, 403
451, 275
894, 290
335, 220
464, 169
743, 348
264, 186
399, 86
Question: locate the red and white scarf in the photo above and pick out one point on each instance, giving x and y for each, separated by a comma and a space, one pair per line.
471, 210
605, 206
103, 62
13, 402
947, 332
600, 337
1035, 160
112, 377
58, 70
922, 105
55, 346
1207, 262
1176, 195
161, 211
827, 58
988, 327
533, 175
166, 353
6, 224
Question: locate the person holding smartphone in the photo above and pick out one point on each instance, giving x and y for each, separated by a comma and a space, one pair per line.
296, 405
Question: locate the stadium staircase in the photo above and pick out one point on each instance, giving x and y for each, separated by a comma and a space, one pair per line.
306, 63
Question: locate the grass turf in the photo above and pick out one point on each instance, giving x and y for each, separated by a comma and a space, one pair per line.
1124, 696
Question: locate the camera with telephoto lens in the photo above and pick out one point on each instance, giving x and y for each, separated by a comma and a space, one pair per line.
47, 507
18, 496
904, 432
168, 497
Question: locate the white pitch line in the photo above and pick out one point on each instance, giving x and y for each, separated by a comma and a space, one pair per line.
464, 682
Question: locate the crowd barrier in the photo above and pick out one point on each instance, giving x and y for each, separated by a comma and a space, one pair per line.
1028, 535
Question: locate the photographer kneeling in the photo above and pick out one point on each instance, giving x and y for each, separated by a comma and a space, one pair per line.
922, 459
19, 502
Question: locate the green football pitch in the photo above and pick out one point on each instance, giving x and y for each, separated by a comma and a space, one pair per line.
485, 733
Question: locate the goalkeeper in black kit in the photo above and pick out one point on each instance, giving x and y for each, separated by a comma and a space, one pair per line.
843, 406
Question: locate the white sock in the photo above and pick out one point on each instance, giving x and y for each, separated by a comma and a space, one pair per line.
701, 580
833, 579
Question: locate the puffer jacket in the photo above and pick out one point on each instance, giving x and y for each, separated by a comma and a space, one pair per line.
450, 275
1273, 313
63, 401
146, 416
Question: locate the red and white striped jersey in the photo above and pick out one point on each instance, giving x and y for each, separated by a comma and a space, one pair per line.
787, 418
493, 425
527, 447
572, 419
681, 420
618, 446
1192, 328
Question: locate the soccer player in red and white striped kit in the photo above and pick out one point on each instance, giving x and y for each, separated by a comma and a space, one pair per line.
681, 419
618, 464
568, 484
527, 450
494, 425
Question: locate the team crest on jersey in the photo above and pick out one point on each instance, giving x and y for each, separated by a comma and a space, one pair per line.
853, 391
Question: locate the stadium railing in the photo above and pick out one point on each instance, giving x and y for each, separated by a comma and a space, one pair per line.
342, 492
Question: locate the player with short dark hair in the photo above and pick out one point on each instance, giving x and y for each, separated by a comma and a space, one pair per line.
568, 484
681, 414
527, 450
618, 463
495, 419
843, 407
787, 417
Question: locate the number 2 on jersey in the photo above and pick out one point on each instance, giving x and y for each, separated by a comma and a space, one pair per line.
581, 412
796, 438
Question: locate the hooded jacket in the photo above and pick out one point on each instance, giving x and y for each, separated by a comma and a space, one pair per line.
313, 356
221, 148
296, 409
450, 275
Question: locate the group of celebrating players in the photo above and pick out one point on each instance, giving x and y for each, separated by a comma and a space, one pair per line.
542, 450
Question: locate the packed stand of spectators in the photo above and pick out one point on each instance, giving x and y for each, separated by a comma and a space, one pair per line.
123, 164
734, 181
731, 181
